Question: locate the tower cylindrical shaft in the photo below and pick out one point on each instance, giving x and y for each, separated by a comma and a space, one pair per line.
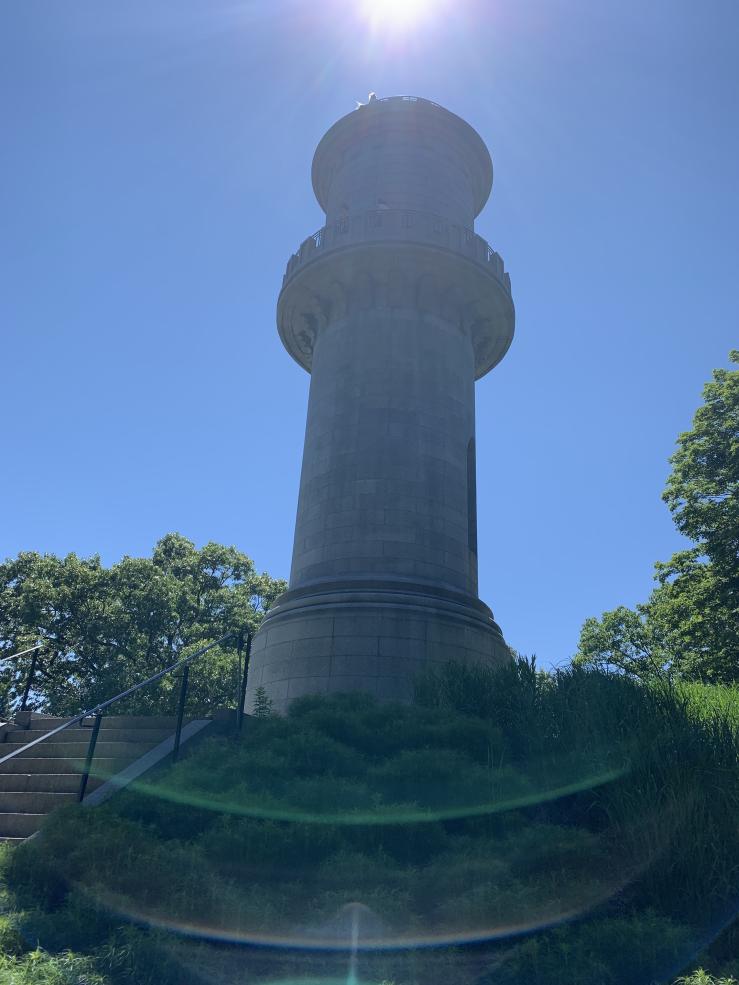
384, 491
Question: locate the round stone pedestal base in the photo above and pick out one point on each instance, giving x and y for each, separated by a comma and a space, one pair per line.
371, 637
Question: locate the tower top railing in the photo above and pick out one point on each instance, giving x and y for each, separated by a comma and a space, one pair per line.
398, 225
409, 99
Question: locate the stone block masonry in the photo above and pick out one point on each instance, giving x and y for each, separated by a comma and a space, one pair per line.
396, 307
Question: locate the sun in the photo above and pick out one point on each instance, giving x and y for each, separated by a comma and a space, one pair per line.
396, 14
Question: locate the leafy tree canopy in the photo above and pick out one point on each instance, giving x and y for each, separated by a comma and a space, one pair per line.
690, 623
703, 488
104, 629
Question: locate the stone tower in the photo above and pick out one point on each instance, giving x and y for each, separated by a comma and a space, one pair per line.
395, 308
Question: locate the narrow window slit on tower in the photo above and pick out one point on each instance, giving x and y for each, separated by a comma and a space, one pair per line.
472, 497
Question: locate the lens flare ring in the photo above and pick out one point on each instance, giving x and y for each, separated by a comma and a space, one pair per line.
392, 815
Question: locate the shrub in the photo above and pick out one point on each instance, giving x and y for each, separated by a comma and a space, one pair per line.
630, 950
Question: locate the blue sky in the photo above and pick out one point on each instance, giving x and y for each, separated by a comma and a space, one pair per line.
155, 178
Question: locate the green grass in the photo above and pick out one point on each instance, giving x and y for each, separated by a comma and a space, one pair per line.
711, 701
37, 968
701, 977
543, 830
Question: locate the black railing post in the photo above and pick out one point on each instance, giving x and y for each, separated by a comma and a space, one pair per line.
242, 696
240, 638
29, 681
90, 754
180, 712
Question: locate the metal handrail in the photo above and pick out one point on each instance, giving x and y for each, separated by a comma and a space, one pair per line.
98, 710
21, 653
31, 672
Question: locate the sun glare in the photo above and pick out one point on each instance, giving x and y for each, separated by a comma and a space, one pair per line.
396, 14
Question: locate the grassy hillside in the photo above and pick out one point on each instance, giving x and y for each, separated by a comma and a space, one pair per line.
509, 828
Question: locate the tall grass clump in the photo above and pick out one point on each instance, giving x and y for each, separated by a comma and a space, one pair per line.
711, 700
673, 807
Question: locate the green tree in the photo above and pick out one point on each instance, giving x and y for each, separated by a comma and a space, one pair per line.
703, 488
262, 703
625, 640
690, 623
104, 629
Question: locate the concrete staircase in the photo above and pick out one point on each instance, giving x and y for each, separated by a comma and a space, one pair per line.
48, 775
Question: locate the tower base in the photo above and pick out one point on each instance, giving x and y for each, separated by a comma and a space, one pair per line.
372, 636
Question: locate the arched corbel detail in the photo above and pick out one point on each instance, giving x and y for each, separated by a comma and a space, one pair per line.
396, 294
451, 307
427, 294
338, 304
364, 291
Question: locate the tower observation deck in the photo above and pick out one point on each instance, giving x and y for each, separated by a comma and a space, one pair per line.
395, 307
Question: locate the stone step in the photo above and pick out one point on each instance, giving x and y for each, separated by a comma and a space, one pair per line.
102, 766
21, 736
24, 735
19, 825
45, 782
33, 801
47, 776
46, 722
77, 751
